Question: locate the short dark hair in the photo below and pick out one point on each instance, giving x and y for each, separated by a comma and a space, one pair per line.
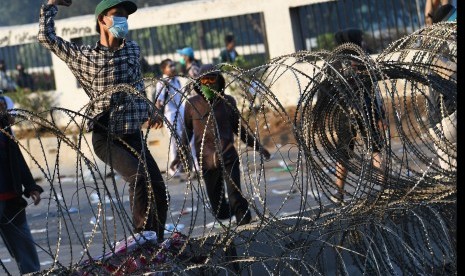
228, 38
97, 27
349, 35
165, 63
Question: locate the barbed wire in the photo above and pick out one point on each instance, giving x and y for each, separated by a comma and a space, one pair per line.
397, 217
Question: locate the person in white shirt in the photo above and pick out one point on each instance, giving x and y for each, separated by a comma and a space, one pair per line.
168, 96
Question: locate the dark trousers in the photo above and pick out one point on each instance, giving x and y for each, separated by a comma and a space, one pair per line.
17, 236
149, 210
214, 181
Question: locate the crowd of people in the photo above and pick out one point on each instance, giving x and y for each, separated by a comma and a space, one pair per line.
208, 122
21, 80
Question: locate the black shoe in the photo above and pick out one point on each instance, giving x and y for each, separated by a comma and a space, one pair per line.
242, 218
225, 211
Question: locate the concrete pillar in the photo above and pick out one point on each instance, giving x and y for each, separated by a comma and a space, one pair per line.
278, 29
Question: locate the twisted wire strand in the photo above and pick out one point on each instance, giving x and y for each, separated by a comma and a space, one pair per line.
397, 218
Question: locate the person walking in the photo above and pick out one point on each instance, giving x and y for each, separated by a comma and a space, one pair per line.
371, 131
117, 114
191, 69
15, 181
229, 53
168, 97
190, 64
212, 119
23, 79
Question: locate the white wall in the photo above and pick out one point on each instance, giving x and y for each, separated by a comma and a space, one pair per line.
279, 37
276, 15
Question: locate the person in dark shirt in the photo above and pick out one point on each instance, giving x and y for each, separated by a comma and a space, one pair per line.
212, 119
372, 128
23, 79
6, 83
229, 53
190, 65
14, 175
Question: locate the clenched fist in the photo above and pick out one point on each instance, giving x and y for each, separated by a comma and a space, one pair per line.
35, 195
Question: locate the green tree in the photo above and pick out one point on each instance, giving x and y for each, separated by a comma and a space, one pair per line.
326, 41
38, 102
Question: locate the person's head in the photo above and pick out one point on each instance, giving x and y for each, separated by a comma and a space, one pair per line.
349, 36
229, 42
446, 12
168, 67
20, 67
354, 36
112, 15
187, 55
210, 83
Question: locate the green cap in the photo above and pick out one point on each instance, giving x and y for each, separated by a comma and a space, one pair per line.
129, 6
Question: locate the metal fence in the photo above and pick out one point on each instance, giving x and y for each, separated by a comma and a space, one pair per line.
206, 37
314, 25
382, 22
35, 59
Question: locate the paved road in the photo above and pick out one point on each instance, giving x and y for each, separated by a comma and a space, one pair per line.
52, 226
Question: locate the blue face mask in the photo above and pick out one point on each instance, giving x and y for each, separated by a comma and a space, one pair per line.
119, 29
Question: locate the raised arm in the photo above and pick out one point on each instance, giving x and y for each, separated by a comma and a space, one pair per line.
65, 50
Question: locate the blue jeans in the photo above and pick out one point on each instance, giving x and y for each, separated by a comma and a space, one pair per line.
18, 239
